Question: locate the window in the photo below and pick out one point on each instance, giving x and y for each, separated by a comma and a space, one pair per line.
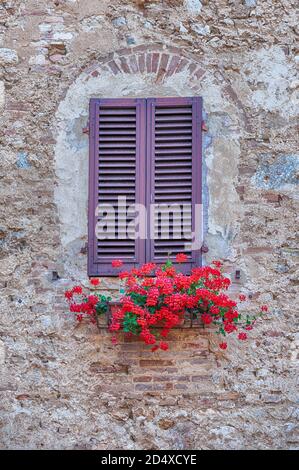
144, 181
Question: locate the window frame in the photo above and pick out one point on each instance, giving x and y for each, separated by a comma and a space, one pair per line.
146, 124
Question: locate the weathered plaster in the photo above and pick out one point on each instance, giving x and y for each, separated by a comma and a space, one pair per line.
280, 175
273, 80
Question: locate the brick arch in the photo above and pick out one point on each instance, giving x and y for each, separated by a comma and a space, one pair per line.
162, 62
159, 60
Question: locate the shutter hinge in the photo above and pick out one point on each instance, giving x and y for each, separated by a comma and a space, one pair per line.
204, 126
84, 249
204, 248
85, 130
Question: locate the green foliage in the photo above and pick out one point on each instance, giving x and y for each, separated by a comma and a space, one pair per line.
166, 265
130, 324
138, 299
103, 304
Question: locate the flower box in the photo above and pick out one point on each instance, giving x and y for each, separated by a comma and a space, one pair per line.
159, 298
187, 322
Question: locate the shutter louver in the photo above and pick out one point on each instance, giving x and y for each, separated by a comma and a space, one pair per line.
175, 165
116, 172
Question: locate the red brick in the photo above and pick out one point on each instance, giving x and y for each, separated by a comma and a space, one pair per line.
199, 73
162, 68
180, 387
191, 68
153, 362
17, 106
100, 368
258, 250
141, 63
200, 378
240, 189
272, 197
246, 170
148, 63
142, 378
172, 65
167, 378
153, 387
124, 65
274, 334
24, 396
194, 346
143, 387
131, 346
183, 63
141, 48
125, 51
155, 61
114, 67
34, 13
162, 370
133, 64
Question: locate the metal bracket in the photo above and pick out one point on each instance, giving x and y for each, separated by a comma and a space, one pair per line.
204, 248
204, 126
85, 130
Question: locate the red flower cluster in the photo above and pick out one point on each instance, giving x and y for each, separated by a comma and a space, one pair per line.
158, 297
153, 305
181, 258
84, 304
117, 263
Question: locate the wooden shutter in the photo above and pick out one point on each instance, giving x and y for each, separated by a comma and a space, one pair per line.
148, 150
174, 166
117, 168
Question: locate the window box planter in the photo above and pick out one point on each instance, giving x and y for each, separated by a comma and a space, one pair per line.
158, 299
189, 320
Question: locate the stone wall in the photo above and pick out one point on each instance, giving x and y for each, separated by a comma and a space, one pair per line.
64, 386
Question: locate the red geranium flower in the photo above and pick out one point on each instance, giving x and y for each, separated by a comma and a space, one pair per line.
242, 336
264, 308
117, 263
68, 294
223, 345
93, 299
77, 290
218, 264
242, 297
163, 345
206, 318
181, 258
95, 281
229, 327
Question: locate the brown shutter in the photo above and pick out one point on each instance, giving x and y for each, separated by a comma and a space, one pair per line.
174, 166
117, 168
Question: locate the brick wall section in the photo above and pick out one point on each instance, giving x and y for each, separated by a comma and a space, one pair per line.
185, 368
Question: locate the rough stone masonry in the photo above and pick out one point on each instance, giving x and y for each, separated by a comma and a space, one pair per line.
64, 386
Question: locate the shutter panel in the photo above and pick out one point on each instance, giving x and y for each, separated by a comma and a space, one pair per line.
117, 168
174, 163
